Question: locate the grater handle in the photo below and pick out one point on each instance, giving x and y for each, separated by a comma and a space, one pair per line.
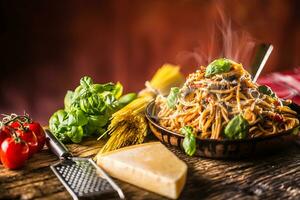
56, 146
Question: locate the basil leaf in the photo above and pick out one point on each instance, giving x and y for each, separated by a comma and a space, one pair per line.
75, 134
77, 118
108, 86
99, 88
95, 124
267, 91
68, 100
93, 104
77, 91
108, 98
57, 125
237, 128
118, 90
189, 141
173, 97
218, 66
86, 82
98, 120
56, 120
126, 99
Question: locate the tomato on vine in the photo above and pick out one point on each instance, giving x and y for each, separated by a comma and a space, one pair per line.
4, 133
14, 152
28, 137
37, 129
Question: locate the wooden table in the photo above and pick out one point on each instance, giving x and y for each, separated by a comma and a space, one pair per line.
271, 177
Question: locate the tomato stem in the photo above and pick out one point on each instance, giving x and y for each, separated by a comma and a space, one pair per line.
9, 120
20, 118
14, 134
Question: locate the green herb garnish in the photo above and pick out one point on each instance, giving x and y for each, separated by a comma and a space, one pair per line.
237, 128
218, 66
189, 141
173, 97
267, 91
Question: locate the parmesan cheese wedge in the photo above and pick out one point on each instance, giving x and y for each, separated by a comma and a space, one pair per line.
150, 166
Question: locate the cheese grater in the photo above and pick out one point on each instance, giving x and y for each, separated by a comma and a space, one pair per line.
81, 176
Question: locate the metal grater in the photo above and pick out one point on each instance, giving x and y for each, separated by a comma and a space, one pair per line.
81, 176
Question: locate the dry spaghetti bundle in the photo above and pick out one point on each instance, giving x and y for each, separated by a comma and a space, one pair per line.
221, 101
129, 125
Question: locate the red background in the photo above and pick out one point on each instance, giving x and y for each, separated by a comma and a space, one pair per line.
46, 46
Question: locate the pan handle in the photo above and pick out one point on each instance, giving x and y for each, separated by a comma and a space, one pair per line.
57, 146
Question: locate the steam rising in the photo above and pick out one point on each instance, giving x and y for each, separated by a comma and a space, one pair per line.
226, 40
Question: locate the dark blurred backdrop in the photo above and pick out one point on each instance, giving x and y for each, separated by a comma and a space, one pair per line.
46, 46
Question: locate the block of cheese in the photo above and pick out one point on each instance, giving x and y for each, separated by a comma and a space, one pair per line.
150, 166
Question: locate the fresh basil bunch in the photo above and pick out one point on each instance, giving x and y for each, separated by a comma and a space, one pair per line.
88, 110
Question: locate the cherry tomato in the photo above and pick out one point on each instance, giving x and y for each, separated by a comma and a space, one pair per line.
28, 137
37, 129
4, 133
14, 152
15, 124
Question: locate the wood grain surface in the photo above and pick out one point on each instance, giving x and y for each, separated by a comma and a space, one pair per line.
275, 176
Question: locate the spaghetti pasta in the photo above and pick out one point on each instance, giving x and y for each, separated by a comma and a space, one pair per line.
208, 103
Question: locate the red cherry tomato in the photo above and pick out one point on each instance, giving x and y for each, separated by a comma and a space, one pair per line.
4, 133
15, 124
37, 129
28, 137
13, 152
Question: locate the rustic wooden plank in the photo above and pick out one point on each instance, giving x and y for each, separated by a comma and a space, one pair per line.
252, 178
270, 177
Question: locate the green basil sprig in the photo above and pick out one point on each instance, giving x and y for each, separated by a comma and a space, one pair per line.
189, 141
266, 90
173, 97
218, 66
237, 128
